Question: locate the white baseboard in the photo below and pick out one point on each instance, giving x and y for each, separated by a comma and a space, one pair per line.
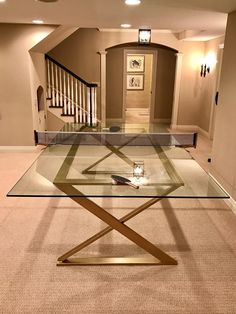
190, 128
137, 110
204, 133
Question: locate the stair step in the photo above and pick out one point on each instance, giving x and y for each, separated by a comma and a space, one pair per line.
67, 115
56, 107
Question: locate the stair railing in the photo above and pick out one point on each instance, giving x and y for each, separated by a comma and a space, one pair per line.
72, 94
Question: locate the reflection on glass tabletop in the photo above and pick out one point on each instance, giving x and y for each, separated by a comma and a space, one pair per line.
86, 170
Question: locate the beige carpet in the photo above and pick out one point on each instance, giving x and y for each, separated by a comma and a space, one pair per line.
200, 234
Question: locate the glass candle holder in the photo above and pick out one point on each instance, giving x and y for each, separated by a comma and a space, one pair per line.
138, 169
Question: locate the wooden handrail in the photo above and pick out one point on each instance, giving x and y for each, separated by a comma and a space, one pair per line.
70, 72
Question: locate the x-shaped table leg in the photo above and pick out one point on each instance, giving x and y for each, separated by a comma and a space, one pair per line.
158, 256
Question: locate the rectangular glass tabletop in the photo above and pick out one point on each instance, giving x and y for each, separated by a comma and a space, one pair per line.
85, 170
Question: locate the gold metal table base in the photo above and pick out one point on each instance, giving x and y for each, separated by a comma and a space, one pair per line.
158, 256
111, 261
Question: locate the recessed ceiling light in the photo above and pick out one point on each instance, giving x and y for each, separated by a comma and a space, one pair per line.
125, 25
132, 2
37, 21
2, 0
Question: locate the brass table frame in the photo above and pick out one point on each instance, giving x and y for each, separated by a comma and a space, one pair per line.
158, 257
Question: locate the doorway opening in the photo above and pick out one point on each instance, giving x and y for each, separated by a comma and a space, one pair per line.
125, 70
139, 85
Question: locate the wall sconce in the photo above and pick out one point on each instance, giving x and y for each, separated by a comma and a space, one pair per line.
138, 169
208, 63
144, 36
204, 70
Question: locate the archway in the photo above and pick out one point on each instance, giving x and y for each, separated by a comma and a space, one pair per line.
41, 108
40, 98
164, 81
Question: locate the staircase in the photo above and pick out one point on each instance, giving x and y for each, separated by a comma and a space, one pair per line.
70, 94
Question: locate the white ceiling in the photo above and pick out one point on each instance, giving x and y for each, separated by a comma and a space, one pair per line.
203, 19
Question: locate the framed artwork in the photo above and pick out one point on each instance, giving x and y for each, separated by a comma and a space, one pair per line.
135, 63
134, 82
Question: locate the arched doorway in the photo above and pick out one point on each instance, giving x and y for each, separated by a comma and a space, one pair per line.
41, 108
159, 110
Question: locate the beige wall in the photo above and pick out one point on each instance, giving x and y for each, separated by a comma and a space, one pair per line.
54, 123
16, 117
79, 53
197, 93
114, 90
191, 83
165, 77
208, 85
224, 143
38, 78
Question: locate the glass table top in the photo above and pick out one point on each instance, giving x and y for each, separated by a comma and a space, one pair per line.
86, 170
117, 126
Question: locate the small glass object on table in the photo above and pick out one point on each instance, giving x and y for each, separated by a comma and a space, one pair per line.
138, 169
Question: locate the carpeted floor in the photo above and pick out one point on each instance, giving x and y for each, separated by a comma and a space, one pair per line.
200, 234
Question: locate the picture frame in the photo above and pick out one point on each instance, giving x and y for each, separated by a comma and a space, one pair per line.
135, 82
135, 63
